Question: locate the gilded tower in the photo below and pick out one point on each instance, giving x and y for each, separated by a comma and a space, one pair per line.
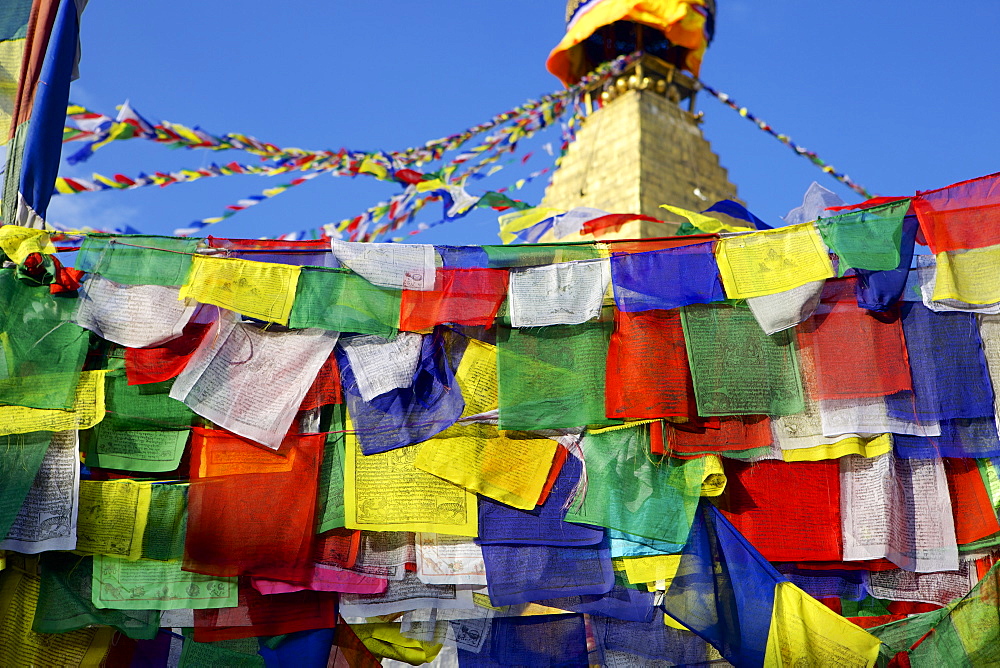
640, 144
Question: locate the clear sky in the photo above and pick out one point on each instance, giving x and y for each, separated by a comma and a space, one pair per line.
901, 95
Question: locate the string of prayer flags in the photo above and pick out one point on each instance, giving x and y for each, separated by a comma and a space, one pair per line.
770, 261
446, 452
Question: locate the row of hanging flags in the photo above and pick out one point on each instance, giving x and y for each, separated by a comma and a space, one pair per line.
447, 184
773, 446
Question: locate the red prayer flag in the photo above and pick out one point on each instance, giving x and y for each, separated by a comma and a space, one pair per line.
154, 365
251, 510
789, 511
270, 615
647, 367
857, 353
460, 296
961, 216
975, 518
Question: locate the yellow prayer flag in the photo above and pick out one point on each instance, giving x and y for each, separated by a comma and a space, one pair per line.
112, 517
386, 492
643, 570
477, 378
871, 446
804, 632
385, 641
19, 242
260, 290
513, 222
21, 646
87, 411
970, 276
369, 166
714, 481
508, 466
771, 261
706, 224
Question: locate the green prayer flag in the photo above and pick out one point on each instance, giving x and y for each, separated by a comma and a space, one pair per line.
157, 585
42, 351
137, 259
166, 525
134, 450
143, 407
64, 600
239, 653
631, 491
342, 301
866, 239
552, 377
22, 457
736, 367
538, 254
330, 491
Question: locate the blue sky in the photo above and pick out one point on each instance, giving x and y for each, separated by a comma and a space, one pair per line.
900, 95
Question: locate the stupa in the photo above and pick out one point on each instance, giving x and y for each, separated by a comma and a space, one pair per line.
640, 144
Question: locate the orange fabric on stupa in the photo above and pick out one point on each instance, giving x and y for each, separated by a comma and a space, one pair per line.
681, 21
